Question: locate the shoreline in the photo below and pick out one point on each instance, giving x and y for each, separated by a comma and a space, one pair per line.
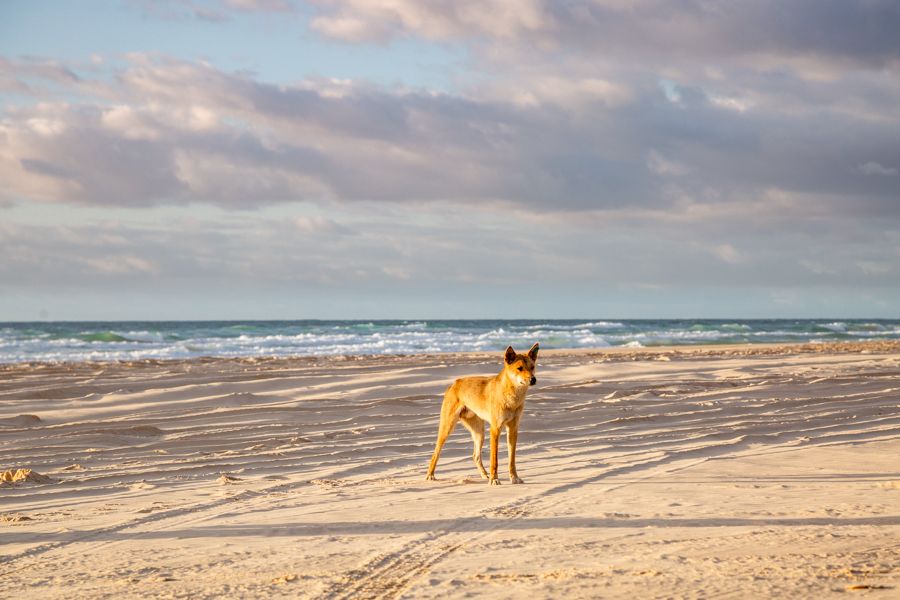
678, 350
72, 342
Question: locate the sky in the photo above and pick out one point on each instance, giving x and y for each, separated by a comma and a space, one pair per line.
363, 159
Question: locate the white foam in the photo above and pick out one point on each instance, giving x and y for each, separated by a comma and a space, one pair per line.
31, 343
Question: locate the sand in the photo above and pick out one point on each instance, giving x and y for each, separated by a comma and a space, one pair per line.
732, 472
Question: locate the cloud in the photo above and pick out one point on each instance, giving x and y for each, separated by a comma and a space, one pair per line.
874, 267
32, 76
577, 106
370, 249
811, 30
874, 168
662, 166
728, 254
178, 10
818, 267
164, 131
212, 11
121, 265
582, 148
321, 226
41, 167
573, 93
362, 20
259, 5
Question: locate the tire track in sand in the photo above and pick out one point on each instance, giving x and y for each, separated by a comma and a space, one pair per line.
389, 574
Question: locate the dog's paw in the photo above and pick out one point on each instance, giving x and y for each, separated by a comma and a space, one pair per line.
495, 481
515, 479
430, 477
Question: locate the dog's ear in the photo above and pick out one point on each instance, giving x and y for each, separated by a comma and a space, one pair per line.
510, 355
532, 354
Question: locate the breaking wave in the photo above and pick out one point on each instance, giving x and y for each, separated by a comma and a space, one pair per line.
20, 342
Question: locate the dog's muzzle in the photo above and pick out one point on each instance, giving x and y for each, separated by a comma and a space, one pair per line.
533, 380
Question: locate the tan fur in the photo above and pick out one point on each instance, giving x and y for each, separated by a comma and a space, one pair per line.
499, 400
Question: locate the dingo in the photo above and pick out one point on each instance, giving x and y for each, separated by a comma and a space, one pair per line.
499, 400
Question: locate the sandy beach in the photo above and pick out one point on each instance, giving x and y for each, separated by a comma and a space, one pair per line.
727, 471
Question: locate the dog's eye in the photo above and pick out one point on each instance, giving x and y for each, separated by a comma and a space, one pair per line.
520, 368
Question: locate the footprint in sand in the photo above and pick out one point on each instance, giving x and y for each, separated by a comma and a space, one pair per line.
142, 485
153, 507
14, 518
511, 512
329, 483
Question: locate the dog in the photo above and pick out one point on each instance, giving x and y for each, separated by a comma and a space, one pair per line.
499, 400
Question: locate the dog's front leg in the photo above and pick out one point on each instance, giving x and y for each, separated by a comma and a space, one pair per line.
495, 441
512, 436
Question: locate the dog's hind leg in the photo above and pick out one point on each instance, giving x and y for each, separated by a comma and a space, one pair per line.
450, 410
475, 425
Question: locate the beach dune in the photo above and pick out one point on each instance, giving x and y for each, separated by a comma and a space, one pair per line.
734, 471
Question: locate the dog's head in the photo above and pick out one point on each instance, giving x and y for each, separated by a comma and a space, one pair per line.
520, 367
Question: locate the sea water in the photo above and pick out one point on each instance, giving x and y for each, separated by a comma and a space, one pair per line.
128, 340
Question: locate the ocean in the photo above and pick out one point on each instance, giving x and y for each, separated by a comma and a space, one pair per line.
129, 340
